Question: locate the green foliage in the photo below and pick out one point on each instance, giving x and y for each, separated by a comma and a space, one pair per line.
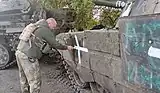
92, 23
83, 9
54, 4
84, 12
109, 17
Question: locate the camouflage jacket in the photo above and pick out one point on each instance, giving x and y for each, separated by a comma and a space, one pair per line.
45, 33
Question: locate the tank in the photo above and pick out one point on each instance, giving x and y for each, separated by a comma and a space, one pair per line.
124, 59
15, 15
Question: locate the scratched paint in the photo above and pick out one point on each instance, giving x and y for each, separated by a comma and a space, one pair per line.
138, 36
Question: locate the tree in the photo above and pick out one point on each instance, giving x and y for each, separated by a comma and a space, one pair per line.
84, 12
109, 17
83, 9
54, 4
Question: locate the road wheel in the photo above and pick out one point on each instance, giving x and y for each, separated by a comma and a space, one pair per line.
5, 55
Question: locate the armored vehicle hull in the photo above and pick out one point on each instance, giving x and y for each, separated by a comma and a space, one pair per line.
120, 60
15, 15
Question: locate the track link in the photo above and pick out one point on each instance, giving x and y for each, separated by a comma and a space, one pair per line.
8, 65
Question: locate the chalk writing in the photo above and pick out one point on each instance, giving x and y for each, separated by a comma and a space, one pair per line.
141, 46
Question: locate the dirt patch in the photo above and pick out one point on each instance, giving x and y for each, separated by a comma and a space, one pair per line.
53, 80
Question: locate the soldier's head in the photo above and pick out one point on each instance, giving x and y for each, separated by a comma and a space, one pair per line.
51, 23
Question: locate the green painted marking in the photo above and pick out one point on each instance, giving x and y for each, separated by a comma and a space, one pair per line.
136, 41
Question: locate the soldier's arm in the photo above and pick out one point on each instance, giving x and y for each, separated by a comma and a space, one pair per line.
51, 39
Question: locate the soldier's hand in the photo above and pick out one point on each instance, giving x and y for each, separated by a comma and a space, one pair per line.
70, 47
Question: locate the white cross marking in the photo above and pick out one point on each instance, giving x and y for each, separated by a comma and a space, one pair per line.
79, 49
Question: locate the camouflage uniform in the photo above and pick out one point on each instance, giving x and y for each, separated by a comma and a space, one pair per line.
28, 54
29, 72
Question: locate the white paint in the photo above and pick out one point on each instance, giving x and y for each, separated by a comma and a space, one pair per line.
79, 53
150, 41
120, 4
79, 49
127, 11
154, 52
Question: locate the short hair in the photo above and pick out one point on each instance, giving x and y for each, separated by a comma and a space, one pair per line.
51, 20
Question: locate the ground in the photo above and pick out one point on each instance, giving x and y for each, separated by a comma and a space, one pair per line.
52, 82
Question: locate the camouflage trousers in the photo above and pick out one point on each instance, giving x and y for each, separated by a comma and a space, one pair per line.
29, 72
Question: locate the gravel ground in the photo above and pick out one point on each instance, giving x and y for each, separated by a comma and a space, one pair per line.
52, 82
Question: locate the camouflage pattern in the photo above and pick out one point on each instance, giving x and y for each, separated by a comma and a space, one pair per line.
29, 72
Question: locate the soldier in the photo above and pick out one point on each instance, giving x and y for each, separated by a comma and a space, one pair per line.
28, 53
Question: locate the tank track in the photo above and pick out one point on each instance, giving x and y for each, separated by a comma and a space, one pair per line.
8, 65
67, 75
63, 78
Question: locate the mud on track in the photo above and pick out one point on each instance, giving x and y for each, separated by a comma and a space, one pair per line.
53, 80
